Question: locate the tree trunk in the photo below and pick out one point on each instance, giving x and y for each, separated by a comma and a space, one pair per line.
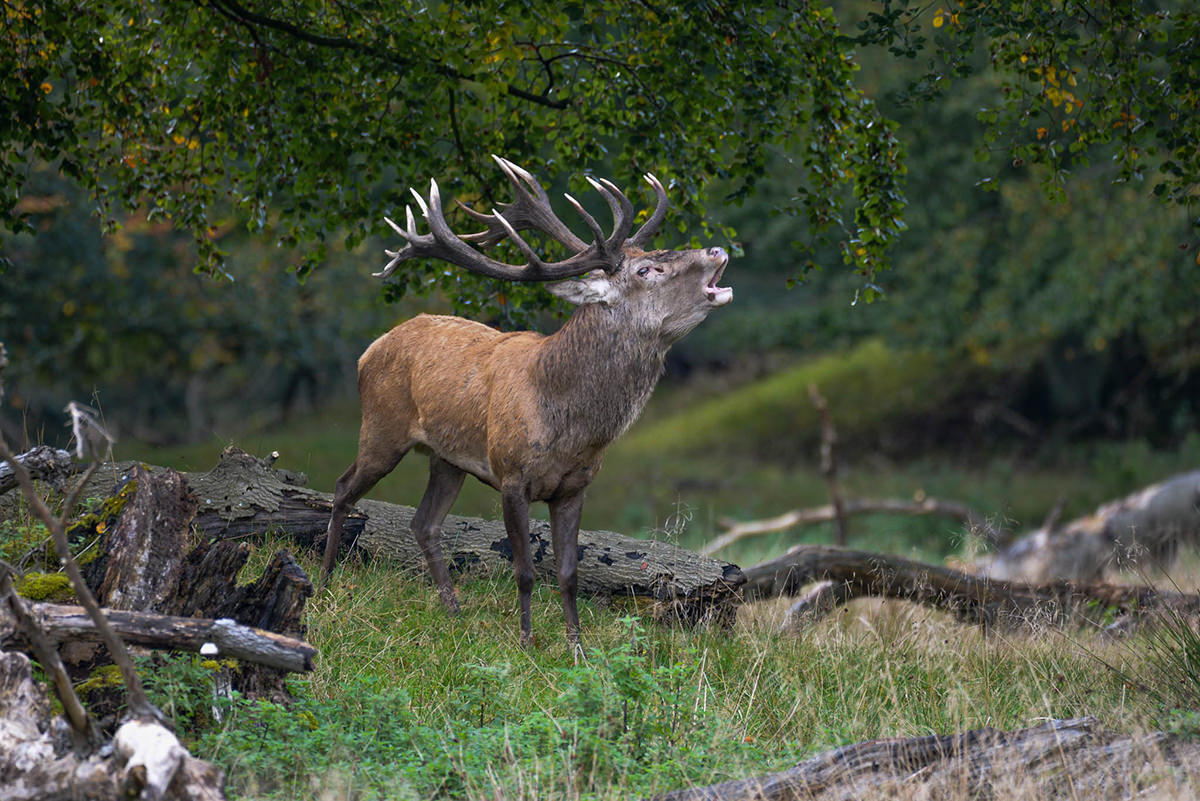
847, 574
243, 495
1147, 527
144, 565
1057, 759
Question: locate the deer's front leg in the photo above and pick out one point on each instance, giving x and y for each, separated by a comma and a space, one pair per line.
565, 514
516, 522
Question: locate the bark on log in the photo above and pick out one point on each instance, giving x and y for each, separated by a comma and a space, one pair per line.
37, 762
64, 623
144, 565
43, 463
1057, 759
1147, 527
847, 574
244, 496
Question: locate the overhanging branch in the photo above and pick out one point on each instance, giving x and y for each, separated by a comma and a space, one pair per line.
252, 20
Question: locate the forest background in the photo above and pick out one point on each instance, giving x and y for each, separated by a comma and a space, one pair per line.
206, 276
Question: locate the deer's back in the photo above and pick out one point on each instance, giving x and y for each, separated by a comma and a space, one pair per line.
433, 379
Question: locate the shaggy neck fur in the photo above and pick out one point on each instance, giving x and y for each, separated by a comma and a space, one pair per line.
597, 372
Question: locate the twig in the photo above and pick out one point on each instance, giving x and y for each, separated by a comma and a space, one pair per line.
139, 704
829, 465
82, 724
854, 506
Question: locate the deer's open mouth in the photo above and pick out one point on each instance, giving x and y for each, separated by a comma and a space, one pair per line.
718, 295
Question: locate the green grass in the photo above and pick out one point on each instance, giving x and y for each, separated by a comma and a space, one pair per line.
407, 702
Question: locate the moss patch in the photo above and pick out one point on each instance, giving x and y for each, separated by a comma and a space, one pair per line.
52, 587
85, 533
102, 678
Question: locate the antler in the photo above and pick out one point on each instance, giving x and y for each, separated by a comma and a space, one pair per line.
530, 210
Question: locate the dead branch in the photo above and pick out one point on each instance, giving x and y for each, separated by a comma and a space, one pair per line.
1056, 759
829, 465
854, 506
1147, 527
43, 463
848, 574
62, 623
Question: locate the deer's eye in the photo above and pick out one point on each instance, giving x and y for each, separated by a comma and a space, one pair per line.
642, 271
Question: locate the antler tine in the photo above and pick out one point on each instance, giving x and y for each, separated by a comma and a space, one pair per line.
650, 227
530, 209
622, 212
597, 231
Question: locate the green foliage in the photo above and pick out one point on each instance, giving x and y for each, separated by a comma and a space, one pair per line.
18, 537
1074, 82
311, 120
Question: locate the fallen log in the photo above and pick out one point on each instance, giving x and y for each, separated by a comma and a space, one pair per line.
71, 624
1145, 528
842, 575
244, 496
43, 463
1056, 759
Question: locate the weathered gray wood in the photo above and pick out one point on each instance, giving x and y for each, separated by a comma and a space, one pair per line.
244, 495
43, 463
845, 574
1146, 527
1065, 759
737, 530
64, 623
37, 762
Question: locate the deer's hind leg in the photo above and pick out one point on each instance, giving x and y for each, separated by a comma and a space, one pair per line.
368, 468
445, 481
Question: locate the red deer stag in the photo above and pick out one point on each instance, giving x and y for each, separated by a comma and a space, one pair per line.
528, 414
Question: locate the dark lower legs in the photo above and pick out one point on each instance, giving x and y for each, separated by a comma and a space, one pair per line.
445, 480
564, 526
516, 522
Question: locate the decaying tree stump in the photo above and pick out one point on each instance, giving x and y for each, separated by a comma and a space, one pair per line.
842, 575
38, 762
1148, 526
243, 495
1066, 759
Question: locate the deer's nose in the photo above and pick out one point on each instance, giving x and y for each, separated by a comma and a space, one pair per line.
717, 254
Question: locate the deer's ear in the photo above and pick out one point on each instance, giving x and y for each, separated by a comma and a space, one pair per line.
594, 287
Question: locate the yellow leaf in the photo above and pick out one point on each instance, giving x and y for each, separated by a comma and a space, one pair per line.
47, 88
938, 19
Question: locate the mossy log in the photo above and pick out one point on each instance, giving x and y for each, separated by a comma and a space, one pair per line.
244, 495
1056, 759
185, 596
841, 575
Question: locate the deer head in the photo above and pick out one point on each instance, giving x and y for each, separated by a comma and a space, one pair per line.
669, 290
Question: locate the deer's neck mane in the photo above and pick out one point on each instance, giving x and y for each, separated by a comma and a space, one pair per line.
597, 372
